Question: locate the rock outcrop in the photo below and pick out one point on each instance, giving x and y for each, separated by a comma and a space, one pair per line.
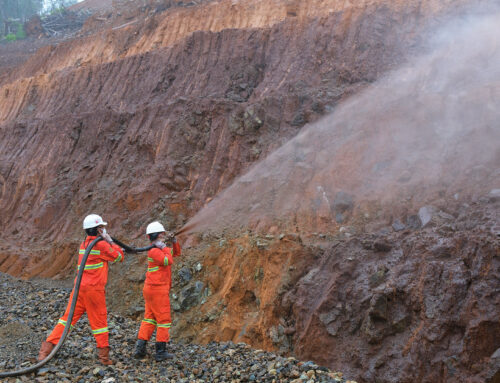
425, 310
157, 130
154, 116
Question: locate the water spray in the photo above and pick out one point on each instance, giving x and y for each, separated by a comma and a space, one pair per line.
185, 228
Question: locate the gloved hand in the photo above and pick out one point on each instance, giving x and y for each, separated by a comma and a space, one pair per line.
160, 244
169, 235
107, 238
104, 234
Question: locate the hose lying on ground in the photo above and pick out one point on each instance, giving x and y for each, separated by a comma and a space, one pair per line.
76, 289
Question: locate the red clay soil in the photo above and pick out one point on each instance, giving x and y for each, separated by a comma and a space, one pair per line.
14, 54
409, 306
154, 128
151, 119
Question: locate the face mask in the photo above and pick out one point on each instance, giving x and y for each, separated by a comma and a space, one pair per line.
103, 232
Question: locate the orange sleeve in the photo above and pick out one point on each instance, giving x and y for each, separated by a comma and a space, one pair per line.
111, 253
177, 249
168, 254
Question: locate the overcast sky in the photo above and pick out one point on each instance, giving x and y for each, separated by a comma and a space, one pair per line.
47, 3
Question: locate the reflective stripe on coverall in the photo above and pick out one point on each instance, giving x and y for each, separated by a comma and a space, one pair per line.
156, 294
92, 298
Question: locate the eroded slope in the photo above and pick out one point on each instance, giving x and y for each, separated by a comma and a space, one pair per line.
153, 119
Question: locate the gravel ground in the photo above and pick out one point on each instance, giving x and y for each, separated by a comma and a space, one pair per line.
29, 310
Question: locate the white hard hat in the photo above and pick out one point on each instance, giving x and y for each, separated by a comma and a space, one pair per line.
155, 227
93, 220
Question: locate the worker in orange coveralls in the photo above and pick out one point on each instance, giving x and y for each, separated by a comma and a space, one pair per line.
156, 293
91, 298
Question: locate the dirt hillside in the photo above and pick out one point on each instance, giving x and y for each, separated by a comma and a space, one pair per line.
156, 108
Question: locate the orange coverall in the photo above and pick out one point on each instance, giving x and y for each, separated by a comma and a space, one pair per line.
156, 293
91, 298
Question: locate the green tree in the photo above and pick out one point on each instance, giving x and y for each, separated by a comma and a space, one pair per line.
20, 33
22, 10
18, 10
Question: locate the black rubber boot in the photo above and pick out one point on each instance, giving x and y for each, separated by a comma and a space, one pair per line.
140, 349
161, 352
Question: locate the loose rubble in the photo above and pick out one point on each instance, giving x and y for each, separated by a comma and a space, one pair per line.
29, 310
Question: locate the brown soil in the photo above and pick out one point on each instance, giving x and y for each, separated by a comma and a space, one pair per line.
394, 306
14, 54
152, 112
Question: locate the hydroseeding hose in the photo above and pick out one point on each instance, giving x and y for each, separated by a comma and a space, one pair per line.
76, 289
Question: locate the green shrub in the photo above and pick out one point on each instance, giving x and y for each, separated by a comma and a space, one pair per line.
57, 10
20, 33
11, 37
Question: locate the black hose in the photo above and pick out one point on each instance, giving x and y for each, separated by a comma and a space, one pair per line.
76, 290
129, 249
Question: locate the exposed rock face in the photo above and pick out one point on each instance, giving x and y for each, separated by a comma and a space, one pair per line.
155, 130
433, 298
191, 295
151, 120
168, 127
245, 278
398, 306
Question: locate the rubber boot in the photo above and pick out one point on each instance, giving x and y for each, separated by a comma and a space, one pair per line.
103, 353
45, 350
140, 349
161, 352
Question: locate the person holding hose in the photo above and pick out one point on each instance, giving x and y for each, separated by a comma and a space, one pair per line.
156, 292
91, 298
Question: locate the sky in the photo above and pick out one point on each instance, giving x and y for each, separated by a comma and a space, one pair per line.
47, 3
